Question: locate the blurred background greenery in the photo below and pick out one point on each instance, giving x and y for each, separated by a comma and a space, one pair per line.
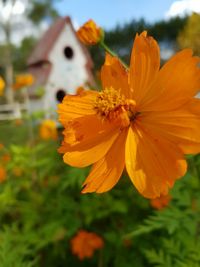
42, 210
41, 207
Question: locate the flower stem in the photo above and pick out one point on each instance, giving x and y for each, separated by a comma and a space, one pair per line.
109, 51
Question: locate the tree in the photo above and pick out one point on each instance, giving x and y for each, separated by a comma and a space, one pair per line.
5, 25
190, 35
13, 13
120, 39
42, 9
20, 54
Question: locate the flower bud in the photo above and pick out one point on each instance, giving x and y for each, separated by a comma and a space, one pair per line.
90, 33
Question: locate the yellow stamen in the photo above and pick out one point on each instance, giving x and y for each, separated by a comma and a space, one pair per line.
112, 105
109, 100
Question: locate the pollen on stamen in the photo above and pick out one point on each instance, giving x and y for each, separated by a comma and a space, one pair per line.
109, 101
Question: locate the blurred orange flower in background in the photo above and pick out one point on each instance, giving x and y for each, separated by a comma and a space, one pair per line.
90, 33
145, 118
6, 158
85, 243
18, 122
2, 86
48, 130
160, 202
1, 146
23, 80
2, 174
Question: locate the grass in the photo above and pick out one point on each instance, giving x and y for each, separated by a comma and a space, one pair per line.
13, 133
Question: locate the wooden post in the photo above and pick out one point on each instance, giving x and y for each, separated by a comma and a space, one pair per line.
8, 65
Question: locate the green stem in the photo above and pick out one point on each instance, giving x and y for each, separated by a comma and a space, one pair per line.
100, 260
107, 49
194, 168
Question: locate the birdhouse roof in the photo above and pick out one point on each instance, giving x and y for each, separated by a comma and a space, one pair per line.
38, 62
46, 43
44, 46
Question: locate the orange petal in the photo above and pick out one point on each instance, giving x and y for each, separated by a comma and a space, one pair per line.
89, 33
107, 171
144, 66
113, 74
89, 152
84, 128
75, 106
180, 126
152, 162
178, 80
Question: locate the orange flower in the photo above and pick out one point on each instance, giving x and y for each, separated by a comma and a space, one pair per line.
145, 119
85, 243
1, 146
48, 130
6, 158
23, 80
2, 86
90, 33
2, 174
79, 90
160, 202
18, 122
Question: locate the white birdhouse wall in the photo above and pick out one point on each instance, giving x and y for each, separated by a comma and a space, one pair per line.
68, 67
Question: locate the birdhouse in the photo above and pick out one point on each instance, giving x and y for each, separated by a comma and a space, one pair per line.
60, 64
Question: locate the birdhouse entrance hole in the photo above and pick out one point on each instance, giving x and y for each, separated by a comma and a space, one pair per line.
68, 52
60, 95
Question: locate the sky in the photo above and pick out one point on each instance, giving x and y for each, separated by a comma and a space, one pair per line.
108, 13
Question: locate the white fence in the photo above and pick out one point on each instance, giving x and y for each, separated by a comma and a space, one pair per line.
12, 111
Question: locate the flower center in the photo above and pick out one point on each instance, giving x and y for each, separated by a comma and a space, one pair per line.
109, 100
112, 105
